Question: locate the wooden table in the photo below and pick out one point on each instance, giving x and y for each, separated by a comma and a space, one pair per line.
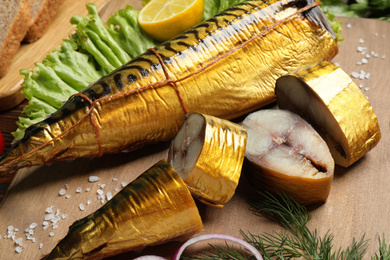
358, 203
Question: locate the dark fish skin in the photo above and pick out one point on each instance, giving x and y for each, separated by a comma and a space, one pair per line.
226, 67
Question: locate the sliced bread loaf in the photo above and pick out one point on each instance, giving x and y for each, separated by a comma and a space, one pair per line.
42, 12
14, 23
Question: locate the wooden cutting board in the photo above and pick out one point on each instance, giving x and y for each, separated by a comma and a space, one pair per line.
59, 29
359, 202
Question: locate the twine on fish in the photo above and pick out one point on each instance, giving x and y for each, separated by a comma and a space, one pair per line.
169, 80
93, 120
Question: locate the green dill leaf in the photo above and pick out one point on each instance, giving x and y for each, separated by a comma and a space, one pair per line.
296, 240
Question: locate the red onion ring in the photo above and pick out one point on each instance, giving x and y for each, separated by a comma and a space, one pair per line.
150, 257
196, 239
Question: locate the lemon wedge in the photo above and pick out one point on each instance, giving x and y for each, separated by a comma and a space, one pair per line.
165, 19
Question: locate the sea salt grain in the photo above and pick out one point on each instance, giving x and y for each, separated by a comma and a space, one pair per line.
361, 40
93, 178
81, 206
115, 179
349, 25
355, 74
124, 184
79, 189
62, 192
33, 225
360, 49
67, 196
18, 249
109, 195
51, 234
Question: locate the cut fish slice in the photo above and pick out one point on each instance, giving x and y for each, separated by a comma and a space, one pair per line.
327, 97
286, 155
208, 154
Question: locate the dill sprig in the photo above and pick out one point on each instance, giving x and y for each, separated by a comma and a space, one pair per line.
296, 240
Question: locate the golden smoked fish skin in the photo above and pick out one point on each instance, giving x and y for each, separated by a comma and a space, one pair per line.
225, 67
210, 161
155, 208
329, 99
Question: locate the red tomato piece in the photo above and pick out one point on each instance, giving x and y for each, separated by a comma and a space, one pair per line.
1, 143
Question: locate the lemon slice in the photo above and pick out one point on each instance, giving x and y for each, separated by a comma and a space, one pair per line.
165, 19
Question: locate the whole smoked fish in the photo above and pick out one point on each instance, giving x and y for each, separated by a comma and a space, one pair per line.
225, 67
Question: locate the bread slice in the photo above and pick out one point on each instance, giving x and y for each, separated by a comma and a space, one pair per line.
42, 13
14, 23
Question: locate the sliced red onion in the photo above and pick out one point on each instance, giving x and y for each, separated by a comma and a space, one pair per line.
195, 239
150, 257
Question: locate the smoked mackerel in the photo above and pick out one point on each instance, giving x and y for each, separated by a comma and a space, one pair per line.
225, 67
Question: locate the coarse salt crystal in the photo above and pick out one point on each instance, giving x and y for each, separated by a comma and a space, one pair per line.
361, 40
81, 206
93, 178
79, 189
40, 245
64, 216
99, 191
33, 225
114, 179
364, 61
116, 189
87, 189
67, 196
109, 195
124, 184
102, 186
349, 25
19, 241
51, 234
360, 49
18, 249
355, 74
67, 186
89, 202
